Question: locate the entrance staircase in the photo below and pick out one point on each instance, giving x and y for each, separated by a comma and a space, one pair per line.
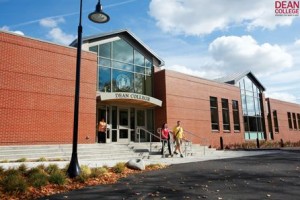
91, 152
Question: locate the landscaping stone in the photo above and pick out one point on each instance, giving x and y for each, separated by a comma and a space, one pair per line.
137, 164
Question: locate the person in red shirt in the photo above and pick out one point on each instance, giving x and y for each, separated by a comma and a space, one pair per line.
165, 136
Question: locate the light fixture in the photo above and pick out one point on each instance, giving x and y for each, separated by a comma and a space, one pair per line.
98, 16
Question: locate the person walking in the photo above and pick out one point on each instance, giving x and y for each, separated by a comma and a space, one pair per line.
178, 136
165, 136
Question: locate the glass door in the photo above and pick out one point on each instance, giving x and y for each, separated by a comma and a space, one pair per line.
124, 125
141, 119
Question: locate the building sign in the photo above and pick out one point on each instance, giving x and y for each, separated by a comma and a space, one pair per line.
123, 95
134, 98
286, 8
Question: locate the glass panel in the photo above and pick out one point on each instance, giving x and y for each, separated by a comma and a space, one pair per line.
148, 63
141, 118
138, 58
94, 49
123, 133
123, 66
122, 51
104, 62
298, 117
246, 123
122, 81
213, 102
148, 86
139, 69
250, 106
139, 81
294, 121
123, 116
248, 84
104, 79
114, 136
150, 120
114, 117
105, 50
148, 71
290, 120
257, 106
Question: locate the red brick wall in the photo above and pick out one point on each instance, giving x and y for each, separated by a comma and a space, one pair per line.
37, 86
187, 98
282, 108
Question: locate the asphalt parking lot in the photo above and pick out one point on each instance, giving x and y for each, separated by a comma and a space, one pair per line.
269, 176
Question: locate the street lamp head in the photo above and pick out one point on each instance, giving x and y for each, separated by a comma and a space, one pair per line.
98, 16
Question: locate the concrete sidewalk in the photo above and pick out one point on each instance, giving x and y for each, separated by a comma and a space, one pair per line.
245, 175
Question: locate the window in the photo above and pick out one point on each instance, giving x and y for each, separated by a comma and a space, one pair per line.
236, 116
275, 121
225, 114
122, 68
295, 121
290, 120
214, 113
298, 116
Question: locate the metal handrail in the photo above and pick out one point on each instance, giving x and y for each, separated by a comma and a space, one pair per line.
197, 136
138, 129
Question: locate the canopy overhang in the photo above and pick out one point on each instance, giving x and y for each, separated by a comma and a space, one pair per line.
129, 99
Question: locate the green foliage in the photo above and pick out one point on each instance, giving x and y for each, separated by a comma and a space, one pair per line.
34, 170
21, 160
98, 172
119, 168
12, 171
52, 168
85, 174
22, 168
41, 167
1, 171
4, 161
58, 178
14, 183
38, 179
42, 159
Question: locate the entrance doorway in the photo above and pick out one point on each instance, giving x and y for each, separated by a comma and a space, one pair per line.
123, 121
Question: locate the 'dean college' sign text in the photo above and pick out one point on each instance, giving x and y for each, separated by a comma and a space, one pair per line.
132, 96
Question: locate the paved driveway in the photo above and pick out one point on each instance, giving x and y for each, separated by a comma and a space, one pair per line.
270, 176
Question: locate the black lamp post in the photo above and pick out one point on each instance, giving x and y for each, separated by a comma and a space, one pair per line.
98, 17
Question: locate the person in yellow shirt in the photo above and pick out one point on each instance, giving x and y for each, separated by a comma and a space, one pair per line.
178, 136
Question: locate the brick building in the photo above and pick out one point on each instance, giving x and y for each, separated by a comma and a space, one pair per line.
122, 82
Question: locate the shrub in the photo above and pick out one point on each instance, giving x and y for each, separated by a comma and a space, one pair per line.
21, 160
14, 183
41, 167
33, 171
98, 172
52, 168
85, 173
119, 167
12, 171
38, 179
4, 161
22, 168
58, 178
42, 159
1, 171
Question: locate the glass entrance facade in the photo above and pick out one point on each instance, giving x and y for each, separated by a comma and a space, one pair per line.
122, 68
252, 115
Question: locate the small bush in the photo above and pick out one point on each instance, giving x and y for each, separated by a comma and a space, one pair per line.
119, 168
41, 167
98, 172
85, 174
32, 171
12, 171
52, 168
1, 171
21, 160
14, 183
4, 161
58, 178
22, 168
42, 159
38, 179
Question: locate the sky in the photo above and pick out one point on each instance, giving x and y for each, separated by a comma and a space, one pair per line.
205, 38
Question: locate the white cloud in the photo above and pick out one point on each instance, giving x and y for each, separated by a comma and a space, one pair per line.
194, 17
57, 35
244, 52
283, 96
51, 22
6, 28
